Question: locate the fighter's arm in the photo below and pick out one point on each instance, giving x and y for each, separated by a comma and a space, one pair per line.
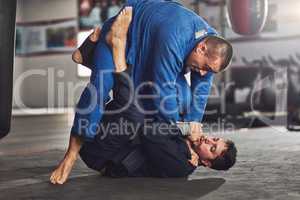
200, 86
167, 64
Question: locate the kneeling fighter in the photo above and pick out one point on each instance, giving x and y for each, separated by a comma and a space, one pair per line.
141, 148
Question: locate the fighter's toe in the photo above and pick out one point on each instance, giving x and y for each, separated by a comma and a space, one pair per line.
52, 180
128, 10
60, 182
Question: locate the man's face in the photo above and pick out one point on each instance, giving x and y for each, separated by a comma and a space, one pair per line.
209, 148
200, 61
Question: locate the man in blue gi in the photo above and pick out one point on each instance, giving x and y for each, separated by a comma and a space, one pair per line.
182, 154
165, 40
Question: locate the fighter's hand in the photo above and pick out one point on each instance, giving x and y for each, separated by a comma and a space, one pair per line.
194, 156
195, 131
194, 159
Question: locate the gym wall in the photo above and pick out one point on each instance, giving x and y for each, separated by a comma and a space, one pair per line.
34, 91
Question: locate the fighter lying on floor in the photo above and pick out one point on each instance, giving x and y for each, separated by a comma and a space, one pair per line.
127, 145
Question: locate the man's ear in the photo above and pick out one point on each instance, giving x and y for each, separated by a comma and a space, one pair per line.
200, 48
206, 163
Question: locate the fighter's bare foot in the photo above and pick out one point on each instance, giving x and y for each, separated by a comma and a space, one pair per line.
94, 36
118, 32
117, 37
61, 173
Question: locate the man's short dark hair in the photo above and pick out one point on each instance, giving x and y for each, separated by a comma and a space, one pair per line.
227, 160
218, 46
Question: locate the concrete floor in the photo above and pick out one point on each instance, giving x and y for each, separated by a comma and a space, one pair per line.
268, 167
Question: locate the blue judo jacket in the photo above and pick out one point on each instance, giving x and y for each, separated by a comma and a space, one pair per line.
160, 37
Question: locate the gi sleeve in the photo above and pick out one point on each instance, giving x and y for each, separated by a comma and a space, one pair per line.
200, 87
167, 64
184, 128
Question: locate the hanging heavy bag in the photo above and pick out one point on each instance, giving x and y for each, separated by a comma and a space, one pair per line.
247, 17
7, 36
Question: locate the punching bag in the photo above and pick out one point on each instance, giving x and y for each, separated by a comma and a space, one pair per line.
247, 17
7, 44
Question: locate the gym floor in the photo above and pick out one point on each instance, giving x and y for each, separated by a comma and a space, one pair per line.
267, 168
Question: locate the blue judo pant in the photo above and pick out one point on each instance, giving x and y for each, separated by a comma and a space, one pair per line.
89, 109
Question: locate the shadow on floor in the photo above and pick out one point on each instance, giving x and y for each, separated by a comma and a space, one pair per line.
23, 173
27, 177
97, 187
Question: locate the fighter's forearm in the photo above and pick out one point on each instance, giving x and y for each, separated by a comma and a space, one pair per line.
200, 89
